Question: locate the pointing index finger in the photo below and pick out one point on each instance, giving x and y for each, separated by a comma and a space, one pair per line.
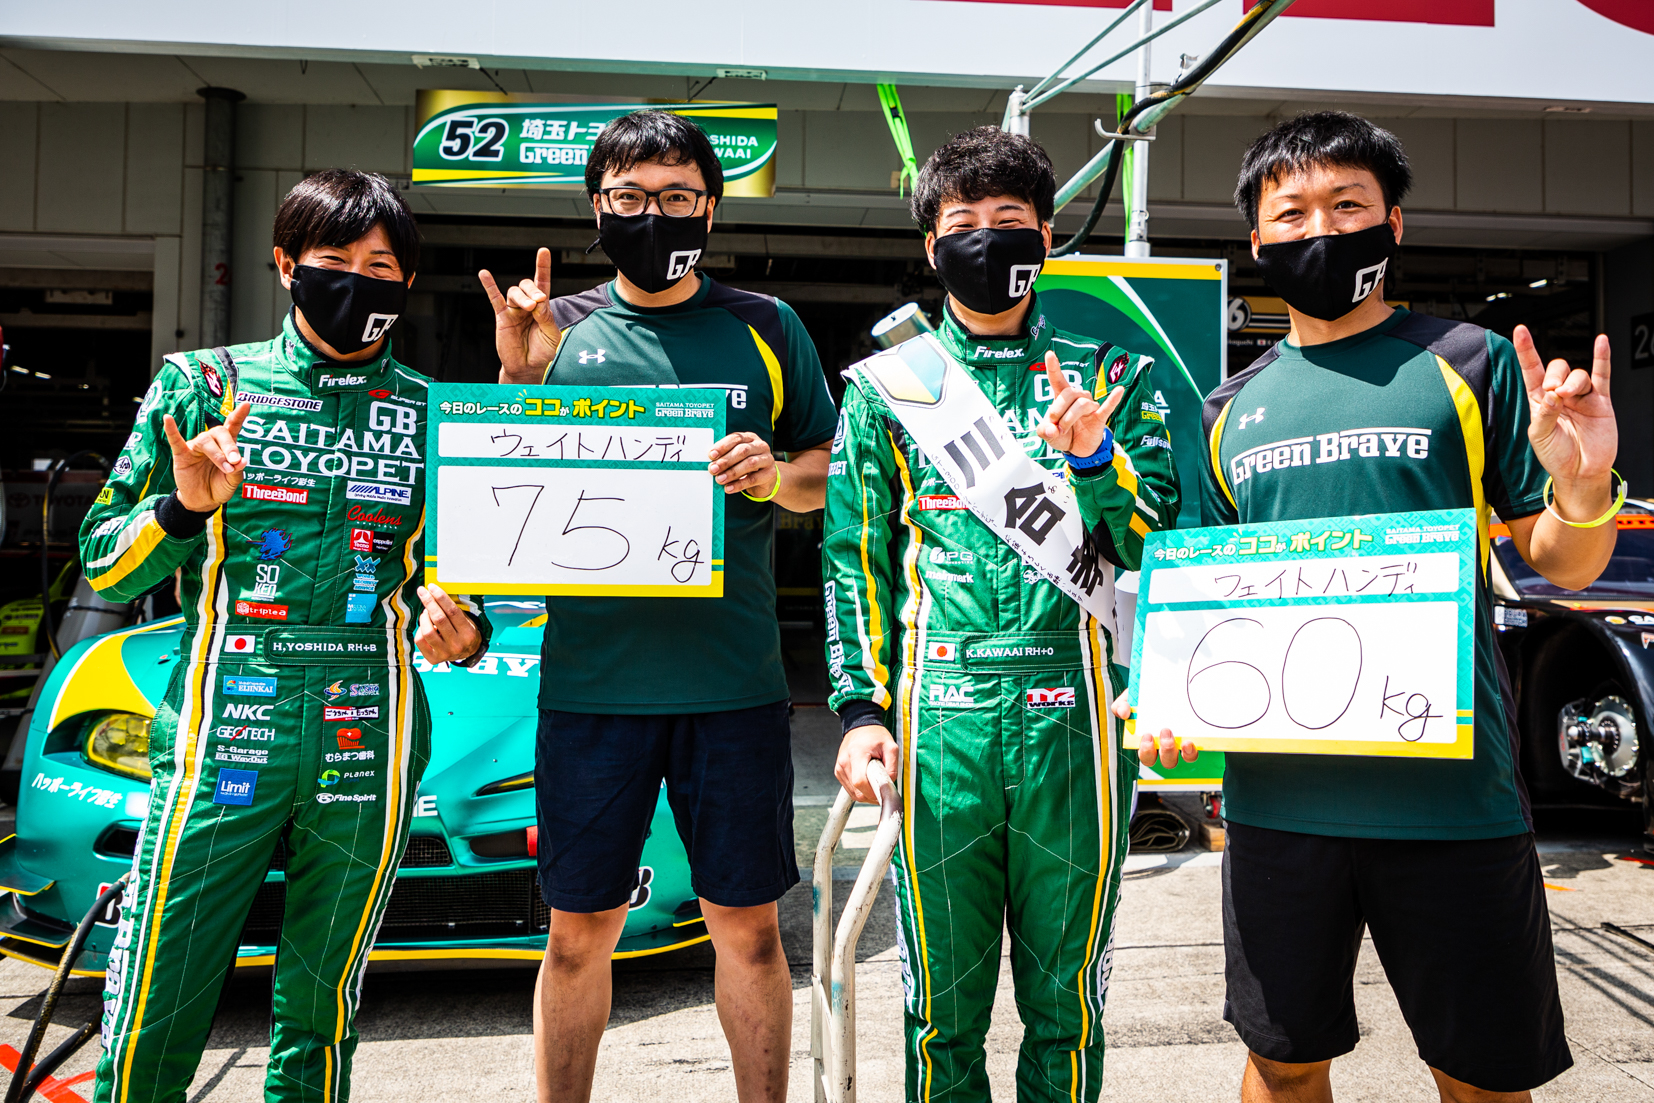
1600, 365
1053, 372
542, 270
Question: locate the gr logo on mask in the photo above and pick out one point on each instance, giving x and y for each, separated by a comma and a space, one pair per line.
1022, 278
1369, 278
679, 264
376, 327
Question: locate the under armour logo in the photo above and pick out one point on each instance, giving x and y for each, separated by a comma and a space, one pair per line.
588, 357
1369, 278
1246, 419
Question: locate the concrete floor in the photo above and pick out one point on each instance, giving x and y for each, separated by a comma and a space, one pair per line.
464, 1034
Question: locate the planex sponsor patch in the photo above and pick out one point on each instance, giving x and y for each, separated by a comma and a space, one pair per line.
262, 609
260, 493
379, 492
941, 501
943, 652
1051, 698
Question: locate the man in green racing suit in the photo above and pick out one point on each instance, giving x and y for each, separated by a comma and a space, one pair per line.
1016, 788
284, 482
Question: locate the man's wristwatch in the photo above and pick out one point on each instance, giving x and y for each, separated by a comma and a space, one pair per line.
1102, 457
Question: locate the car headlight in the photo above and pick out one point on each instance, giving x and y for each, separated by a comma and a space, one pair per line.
119, 743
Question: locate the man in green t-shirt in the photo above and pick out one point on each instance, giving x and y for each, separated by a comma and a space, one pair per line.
1390, 411
686, 691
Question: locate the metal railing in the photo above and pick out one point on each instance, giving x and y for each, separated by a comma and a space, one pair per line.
833, 984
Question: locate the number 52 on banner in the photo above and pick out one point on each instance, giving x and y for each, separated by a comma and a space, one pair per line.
575, 490
1343, 635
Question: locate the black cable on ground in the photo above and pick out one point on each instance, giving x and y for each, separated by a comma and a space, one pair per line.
24, 1074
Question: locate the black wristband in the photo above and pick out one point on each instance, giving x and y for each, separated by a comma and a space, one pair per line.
474, 657
859, 713
178, 520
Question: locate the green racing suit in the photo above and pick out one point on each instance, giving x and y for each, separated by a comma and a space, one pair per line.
1016, 787
293, 720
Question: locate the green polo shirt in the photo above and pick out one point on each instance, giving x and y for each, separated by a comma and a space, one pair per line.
682, 655
1415, 413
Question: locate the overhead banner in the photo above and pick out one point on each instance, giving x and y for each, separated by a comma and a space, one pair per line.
509, 140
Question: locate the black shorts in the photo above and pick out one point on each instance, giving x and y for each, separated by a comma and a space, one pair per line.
1461, 927
729, 778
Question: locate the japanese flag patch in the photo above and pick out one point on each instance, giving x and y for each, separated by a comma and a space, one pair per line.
943, 652
240, 643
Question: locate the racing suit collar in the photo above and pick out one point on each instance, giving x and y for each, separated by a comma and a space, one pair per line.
1020, 351
324, 376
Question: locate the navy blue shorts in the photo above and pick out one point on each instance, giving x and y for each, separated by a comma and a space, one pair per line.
729, 779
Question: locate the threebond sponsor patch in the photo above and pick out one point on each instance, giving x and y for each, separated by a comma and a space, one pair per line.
261, 493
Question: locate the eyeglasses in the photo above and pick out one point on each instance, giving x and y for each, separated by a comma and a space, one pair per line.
673, 202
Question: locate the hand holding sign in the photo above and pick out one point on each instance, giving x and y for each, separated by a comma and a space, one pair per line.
1164, 748
525, 335
207, 469
1075, 423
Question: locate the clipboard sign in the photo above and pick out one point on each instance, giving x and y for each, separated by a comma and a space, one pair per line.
598, 491
1340, 635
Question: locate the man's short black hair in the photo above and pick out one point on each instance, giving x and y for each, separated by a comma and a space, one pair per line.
983, 162
337, 207
1322, 138
658, 136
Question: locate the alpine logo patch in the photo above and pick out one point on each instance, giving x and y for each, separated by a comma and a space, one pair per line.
1051, 698
261, 609
942, 652
260, 493
379, 492
941, 501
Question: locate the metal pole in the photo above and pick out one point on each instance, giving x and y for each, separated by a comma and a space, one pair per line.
217, 205
1016, 119
1137, 218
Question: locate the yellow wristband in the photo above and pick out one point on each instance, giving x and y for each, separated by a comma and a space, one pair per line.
776, 489
1600, 521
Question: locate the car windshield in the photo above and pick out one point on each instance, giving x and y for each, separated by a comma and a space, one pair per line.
1629, 574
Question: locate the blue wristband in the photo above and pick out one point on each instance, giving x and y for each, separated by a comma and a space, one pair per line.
1102, 457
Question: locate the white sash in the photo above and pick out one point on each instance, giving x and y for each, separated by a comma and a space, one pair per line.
1029, 507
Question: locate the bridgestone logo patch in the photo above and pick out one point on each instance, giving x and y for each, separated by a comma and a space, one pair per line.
281, 401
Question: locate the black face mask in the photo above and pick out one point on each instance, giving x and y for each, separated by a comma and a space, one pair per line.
1327, 277
988, 270
348, 311
652, 250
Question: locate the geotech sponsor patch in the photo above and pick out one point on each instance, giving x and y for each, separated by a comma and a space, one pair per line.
1051, 698
262, 609
260, 493
941, 501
